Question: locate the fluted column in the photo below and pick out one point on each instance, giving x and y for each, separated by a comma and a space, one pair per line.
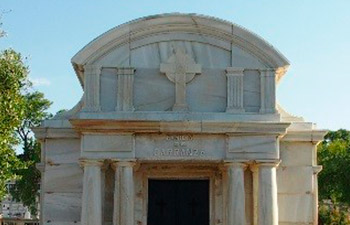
91, 213
266, 196
234, 90
235, 197
123, 211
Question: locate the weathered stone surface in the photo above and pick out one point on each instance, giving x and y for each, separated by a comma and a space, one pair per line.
108, 143
297, 153
62, 151
62, 207
64, 178
296, 208
252, 147
295, 179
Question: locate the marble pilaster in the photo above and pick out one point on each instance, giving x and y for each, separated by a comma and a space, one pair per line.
235, 197
92, 88
234, 90
267, 90
93, 189
125, 89
123, 211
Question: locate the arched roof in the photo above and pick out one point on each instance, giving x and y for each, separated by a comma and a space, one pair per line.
176, 22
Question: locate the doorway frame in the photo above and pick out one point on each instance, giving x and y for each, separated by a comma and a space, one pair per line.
180, 171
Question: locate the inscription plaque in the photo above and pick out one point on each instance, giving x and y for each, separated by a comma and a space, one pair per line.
179, 147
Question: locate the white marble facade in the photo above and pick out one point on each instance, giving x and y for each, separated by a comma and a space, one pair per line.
178, 96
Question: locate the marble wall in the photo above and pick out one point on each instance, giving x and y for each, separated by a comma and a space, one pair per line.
154, 92
297, 190
62, 182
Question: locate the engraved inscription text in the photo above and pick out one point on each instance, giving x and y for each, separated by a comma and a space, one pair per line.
179, 147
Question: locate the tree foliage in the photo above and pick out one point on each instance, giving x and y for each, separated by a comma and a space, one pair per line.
334, 156
20, 110
334, 179
333, 214
13, 82
26, 188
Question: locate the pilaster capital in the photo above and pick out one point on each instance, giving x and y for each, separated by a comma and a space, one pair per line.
264, 163
122, 163
234, 71
267, 72
125, 70
92, 162
236, 164
92, 69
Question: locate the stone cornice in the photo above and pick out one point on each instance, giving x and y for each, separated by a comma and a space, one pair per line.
42, 133
205, 127
314, 136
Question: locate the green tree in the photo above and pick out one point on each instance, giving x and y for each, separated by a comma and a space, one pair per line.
19, 111
334, 179
27, 185
13, 82
334, 156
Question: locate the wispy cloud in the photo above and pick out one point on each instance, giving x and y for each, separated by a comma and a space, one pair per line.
41, 81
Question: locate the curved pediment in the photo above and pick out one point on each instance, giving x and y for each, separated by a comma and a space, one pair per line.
179, 62
244, 45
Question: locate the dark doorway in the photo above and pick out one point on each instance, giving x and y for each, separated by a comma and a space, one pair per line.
178, 202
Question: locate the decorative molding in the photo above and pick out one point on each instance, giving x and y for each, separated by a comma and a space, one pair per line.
42, 133
206, 127
234, 90
180, 69
314, 136
317, 169
125, 89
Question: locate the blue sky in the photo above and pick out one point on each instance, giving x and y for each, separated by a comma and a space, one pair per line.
313, 34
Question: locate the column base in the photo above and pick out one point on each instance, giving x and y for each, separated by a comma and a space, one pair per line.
235, 110
180, 107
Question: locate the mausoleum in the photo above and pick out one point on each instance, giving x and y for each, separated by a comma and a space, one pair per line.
178, 125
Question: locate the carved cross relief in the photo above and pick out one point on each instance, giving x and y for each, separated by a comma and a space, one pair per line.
180, 69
